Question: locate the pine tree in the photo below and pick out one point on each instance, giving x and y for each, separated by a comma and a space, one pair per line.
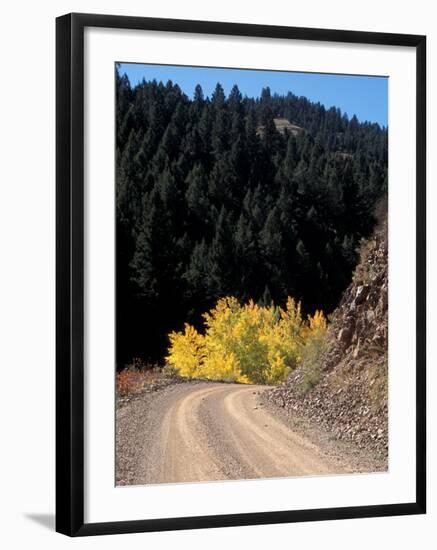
218, 97
198, 95
221, 254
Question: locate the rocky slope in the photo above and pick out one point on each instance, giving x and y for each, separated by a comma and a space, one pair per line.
347, 389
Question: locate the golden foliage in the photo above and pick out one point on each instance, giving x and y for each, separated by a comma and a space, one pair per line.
187, 352
245, 343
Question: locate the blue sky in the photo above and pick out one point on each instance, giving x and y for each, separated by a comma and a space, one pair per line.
364, 96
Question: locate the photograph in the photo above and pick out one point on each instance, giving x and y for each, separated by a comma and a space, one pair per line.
217, 275
251, 274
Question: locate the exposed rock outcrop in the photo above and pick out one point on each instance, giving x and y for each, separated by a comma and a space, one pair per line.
349, 395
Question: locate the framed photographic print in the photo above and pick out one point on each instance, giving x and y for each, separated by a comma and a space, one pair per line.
240, 274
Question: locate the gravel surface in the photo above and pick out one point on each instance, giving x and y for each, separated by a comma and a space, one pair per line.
137, 420
204, 431
360, 460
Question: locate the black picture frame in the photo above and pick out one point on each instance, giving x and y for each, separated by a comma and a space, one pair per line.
70, 273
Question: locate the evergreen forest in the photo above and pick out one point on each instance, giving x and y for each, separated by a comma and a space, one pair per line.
259, 198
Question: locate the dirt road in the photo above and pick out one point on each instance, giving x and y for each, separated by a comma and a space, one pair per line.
206, 432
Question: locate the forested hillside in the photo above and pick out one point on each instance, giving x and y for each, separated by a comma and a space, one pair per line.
214, 200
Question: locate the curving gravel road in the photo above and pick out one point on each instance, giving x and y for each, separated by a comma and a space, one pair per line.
208, 431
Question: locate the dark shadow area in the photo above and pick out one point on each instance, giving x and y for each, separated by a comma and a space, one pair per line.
46, 520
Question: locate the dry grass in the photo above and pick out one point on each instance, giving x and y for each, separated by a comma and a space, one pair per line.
310, 370
377, 386
282, 125
131, 381
138, 376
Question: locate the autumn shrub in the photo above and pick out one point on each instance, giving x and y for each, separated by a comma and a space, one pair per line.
128, 382
245, 343
187, 351
135, 377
